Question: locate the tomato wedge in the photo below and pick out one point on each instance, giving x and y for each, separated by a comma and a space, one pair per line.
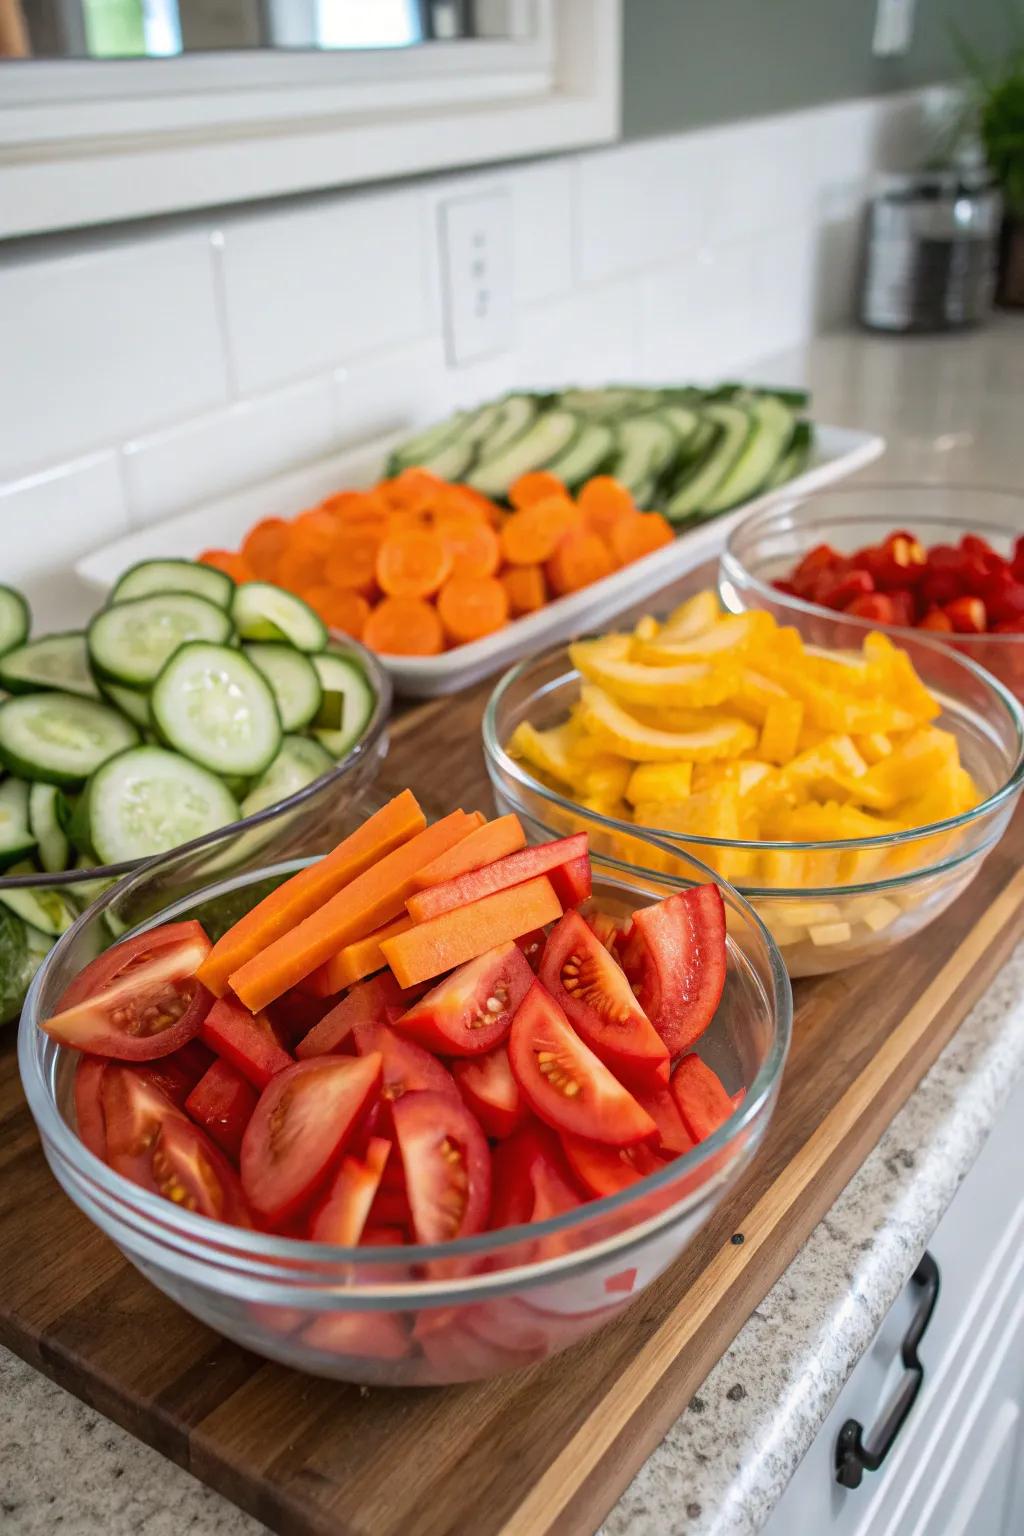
532, 1181
342, 1215
491, 1092
146, 1008
222, 1102
407, 1067
299, 1130
592, 990
701, 1097
471, 1010
134, 1109
121, 958
605, 1170
246, 1040
673, 1137
377, 1001
362, 1335
89, 1117
565, 1083
447, 1166
532, 946
675, 957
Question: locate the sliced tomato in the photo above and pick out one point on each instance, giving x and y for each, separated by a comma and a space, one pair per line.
471, 1010
673, 1137
146, 1008
606, 930
514, 869
532, 946
564, 1082
675, 957
701, 1097
342, 1215
361, 1335
222, 1102
491, 1092
407, 1068
605, 1170
90, 1120
531, 1178
454, 1352
299, 1130
377, 1001
189, 1171
573, 881
384, 1237
134, 1108
246, 1040
447, 1166
121, 958
390, 1208
295, 1014
592, 990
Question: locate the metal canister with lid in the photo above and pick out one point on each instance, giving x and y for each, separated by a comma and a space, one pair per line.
931, 251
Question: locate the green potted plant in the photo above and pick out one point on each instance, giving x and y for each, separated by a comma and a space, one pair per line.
997, 109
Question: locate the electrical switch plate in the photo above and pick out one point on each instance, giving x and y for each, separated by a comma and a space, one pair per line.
476, 263
894, 27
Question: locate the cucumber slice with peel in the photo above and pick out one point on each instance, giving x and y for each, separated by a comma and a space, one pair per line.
536, 448
15, 619
341, 675
263, 612
586, 455
770, 433
696, 489
16, 835
59, 738
293, 681
130, 643
151, 576
46, 822
211, 704
149, 800
133, 702
299, 762
56, 661
44, 908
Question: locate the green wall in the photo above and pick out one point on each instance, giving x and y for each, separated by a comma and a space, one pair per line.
706, 61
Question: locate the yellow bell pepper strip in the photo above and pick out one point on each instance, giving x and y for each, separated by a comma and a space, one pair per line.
621, 732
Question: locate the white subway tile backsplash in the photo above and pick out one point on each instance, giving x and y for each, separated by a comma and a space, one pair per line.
640, 205
700, 320
313, 286
171, 471
542, 255
587, 337
69, 510
760, 177
99, 343
399, 388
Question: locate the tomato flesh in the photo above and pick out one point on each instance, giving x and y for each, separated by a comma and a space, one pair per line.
146, 1009
189, 1171
299, 1130
470, 1011
377, 1001
121, 958
702, 1100
447, 1166
673, 1138
606, 1170
222, 1102
675, 956
134, 1108
343, 1214
407, 1067
246, 1040
592, 990
532, 1180
89, 1117
565, 1084
362, 1335
491, 1092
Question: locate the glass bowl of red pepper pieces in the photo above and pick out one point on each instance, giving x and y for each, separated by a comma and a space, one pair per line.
942, 560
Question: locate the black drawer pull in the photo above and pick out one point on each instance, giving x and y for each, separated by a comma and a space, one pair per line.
855, 1455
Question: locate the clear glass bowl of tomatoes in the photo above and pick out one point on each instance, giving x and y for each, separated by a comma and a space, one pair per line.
940, 560
404, 1313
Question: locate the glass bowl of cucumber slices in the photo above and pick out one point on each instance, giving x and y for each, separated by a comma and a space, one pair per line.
188, 705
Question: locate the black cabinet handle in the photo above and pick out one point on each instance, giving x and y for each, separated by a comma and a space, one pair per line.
854, 1454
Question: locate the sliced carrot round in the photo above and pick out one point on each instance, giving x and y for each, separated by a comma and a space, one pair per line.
536, 485
412, 487
264, 544
526, 588
352, 560
315, 527
356, 506
234, 565
473, 546
412, 564
633, 537
404, 626
340, 608
603, 501
472, 606
582, 557
531, 536
301, 565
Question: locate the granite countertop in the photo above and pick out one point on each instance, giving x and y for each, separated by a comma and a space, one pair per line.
949, 407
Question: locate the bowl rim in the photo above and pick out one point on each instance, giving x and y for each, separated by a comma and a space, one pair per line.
380, 682
57, 1134
762, 523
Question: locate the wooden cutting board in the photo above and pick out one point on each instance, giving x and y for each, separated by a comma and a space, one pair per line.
548, 1450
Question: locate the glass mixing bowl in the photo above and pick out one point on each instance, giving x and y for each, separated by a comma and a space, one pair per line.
830, 904
469, 1309
301, 823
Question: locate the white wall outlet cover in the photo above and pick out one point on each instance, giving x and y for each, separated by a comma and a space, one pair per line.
476, 267
894, 27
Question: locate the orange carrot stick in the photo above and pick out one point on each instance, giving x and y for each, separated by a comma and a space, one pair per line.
372, 898
404, 626
491, 841
467, 932
362, 957
383, 832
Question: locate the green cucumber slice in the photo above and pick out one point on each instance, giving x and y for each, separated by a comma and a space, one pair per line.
131, 642
211, 704
60, 738
514, 416
15, 619
424, 444
795, 458
695, 490
340, 674
293, 681
148, 800
265, 612
766, 443
45, 908
46, 810
56, 661
151, 576
591, 448
133, 702
535, 448
647, 445
13, 966
299, 762
16, 835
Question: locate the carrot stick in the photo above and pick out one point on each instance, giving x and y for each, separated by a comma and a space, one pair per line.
386, 830
580, 559
468, 932
491, 841
404, 626
472, 606
526, 588
372, 898
514, 869
363, 956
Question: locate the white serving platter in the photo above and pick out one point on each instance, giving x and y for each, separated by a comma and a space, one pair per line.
838, 452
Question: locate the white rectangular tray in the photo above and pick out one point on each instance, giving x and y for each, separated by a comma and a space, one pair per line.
838, 452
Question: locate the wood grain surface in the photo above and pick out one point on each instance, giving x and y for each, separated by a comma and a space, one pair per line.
548, 1450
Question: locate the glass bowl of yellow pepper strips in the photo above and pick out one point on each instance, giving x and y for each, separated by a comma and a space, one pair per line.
849, 794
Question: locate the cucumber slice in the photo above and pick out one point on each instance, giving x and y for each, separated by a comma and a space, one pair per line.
299, 762
765, 445
794, 460
699, 484
151, 576
426, 443
211, 704
55, 661
340, 674
451, 460
147, 801
133, 702
59, 738
684, 422
513, 417
16, 835
264, 612
591, 448
15, 619
46, 909
608, 403
647, 445
46, 822
293, 682
131, 642
534, 448
13, 966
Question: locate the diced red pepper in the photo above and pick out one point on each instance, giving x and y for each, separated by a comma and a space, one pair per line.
222, 1102
967, 615
938, 619
246, 1040
874, 606
839, 591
